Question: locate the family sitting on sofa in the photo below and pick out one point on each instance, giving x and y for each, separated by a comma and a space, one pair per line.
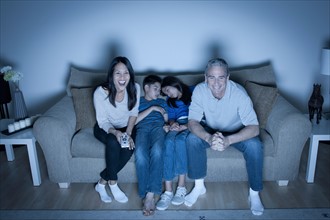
170, 137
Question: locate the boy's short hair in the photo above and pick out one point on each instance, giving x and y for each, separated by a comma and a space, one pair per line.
151, 79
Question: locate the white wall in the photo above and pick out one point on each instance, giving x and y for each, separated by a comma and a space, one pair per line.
43, 38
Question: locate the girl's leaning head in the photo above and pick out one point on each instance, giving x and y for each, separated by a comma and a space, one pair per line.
175, 89
172, 87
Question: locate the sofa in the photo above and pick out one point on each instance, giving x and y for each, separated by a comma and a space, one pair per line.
73, 154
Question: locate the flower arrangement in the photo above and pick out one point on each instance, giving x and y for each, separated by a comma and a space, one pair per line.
10, 74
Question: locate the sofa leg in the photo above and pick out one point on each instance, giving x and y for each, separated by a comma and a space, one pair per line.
64, 185
282, 182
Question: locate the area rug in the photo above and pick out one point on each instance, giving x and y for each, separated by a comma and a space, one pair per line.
278, 214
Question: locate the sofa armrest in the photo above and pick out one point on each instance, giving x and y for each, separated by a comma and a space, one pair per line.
290, 130
54, 130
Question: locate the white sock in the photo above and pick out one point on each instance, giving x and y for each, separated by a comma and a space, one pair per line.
199, 189
199, 183
168, 193
118, 194
256, 206
100, 188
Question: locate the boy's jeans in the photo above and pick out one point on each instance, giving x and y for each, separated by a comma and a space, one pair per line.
149, 145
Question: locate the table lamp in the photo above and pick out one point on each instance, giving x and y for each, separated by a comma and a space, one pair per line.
325, 62
325, 70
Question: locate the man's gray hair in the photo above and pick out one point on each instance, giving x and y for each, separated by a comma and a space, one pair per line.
217, 62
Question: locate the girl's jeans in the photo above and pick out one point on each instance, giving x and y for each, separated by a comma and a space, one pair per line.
175, 154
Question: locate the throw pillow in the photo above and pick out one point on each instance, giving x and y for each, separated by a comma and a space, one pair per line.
263, 98
84, 107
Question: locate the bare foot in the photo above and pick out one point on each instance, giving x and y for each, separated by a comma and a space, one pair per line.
148, 206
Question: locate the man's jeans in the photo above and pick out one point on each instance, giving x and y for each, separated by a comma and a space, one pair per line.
252, 150
149, 145
175, 154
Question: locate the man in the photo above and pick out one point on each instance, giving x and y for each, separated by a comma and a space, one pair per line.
221, 114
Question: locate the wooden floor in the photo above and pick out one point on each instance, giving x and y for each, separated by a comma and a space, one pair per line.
17, 191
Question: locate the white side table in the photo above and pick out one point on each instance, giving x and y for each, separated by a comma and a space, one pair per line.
24, 137
320, 132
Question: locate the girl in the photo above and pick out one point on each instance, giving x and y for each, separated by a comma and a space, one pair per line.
175, 156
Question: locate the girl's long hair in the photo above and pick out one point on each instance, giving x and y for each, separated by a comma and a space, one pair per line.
179, 85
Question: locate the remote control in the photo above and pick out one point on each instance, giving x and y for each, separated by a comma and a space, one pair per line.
124, 141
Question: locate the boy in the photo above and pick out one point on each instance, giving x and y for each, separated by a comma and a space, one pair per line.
149, 142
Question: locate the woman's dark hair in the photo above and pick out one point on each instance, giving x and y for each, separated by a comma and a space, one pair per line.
179, 85
131, 90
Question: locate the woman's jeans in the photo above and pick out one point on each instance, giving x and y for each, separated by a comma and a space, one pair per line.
116, 157
149, 145
252, 150
175, 154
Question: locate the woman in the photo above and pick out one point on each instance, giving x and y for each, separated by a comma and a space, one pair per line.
175, 155
116, 105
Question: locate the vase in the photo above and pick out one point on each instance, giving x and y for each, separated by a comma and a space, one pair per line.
20, 110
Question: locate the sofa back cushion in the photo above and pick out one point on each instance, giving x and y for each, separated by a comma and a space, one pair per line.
263, 75
82, 83
189, 78
84, 79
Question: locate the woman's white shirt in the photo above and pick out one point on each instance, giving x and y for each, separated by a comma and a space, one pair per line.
109, 116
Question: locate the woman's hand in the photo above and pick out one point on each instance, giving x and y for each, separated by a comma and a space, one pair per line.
131, 143
117, 133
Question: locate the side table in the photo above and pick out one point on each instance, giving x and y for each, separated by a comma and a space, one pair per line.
24, 137
320, 132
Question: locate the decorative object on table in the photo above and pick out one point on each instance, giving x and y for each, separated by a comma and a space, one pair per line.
20, 125
5, 97
315, 103
325, 70
20, 110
